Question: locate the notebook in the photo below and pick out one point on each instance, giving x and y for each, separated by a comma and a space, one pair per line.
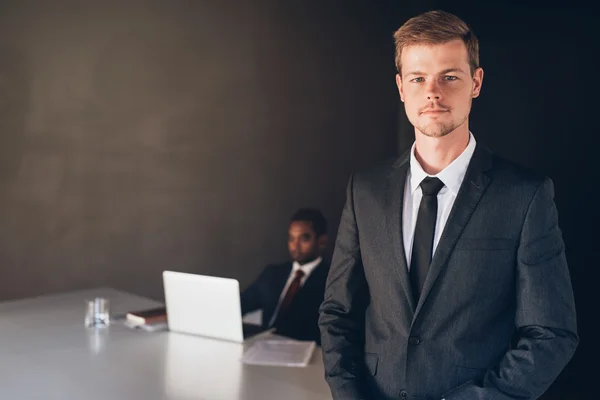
147, 316
206, 306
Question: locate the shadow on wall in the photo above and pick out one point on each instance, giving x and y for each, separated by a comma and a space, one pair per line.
15, 82
15, 99
15, 89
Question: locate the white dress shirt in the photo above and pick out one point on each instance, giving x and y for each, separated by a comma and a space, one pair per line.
307, 269
452, 176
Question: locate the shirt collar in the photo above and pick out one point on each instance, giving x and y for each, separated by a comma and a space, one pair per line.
452, 176
308, 267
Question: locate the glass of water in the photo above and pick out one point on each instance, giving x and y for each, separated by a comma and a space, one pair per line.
97, 313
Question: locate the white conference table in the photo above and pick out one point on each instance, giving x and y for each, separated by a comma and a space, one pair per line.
46, 352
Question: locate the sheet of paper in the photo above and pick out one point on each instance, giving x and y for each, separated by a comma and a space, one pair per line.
161, 326
286, 353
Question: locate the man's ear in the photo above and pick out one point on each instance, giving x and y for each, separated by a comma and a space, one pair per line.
399, 84
477, 82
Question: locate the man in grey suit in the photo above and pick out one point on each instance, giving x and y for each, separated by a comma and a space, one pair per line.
449, 278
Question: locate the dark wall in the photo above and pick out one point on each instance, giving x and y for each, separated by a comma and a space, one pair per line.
539, 107
142, 136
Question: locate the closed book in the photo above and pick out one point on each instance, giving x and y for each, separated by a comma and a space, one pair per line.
149, 316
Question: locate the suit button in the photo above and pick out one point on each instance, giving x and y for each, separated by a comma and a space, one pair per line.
414, 340
403, 394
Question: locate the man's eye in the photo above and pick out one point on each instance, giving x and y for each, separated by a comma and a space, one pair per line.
450, 78
418, 80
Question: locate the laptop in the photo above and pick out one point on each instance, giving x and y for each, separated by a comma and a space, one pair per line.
207, 306
196, 368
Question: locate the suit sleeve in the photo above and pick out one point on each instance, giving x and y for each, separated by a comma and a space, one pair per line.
545, 312
341, 319
252, 298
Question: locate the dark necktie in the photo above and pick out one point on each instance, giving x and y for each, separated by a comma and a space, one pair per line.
290, 294
422, 251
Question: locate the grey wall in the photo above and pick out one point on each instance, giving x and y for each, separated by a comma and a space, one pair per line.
179, 135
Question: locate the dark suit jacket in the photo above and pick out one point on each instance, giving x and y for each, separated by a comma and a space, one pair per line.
496, 318
301, 320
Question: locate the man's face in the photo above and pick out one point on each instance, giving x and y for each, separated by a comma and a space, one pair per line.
437, 88
303, 244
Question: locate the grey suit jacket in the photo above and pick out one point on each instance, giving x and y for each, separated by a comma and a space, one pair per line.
496, 318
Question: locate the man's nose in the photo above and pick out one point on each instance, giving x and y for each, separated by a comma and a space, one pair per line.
433, 90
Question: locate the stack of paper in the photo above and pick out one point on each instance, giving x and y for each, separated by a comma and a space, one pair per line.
285, 353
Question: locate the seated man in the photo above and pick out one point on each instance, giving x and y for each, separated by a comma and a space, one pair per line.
290, 294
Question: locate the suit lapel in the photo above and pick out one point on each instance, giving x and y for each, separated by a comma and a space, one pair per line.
474, 185
312, 288
311, 282
394, 204
276, 285
282, 278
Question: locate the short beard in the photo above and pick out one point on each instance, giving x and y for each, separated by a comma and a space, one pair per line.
440, 130
437, 130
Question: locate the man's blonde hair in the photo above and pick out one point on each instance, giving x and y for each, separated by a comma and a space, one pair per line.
436, 27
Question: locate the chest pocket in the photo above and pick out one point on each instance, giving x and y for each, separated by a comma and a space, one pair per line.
371, 360
486, 244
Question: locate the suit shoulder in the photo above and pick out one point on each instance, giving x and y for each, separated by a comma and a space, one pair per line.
325, 263
323, 266
515, 174
274, 268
